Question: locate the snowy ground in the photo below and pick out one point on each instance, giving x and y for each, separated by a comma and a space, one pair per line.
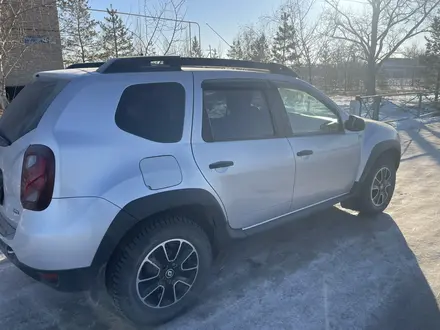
334, 270
393, 107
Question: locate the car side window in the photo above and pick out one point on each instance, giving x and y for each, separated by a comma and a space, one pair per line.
153, 111
236, 114
306, 114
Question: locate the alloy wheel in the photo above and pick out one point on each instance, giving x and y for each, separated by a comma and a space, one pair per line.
381, 187
167, 273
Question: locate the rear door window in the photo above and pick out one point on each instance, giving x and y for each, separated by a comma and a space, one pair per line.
153, 111
26, 110
236, 114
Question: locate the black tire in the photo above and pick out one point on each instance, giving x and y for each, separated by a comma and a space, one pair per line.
365, 202
124, 269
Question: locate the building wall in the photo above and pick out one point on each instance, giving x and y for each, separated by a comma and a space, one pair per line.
39, 41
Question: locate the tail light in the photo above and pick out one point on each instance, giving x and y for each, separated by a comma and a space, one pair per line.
37, 177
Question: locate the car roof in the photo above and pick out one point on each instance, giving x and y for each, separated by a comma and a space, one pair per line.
176, 63
66, 73
159, 64
70, 74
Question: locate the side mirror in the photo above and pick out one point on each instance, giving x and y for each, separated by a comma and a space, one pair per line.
354, 124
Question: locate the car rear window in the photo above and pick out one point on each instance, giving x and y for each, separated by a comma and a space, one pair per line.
26, 110
153, 111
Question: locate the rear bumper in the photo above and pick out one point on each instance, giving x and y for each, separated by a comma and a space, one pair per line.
65, 236
72, 280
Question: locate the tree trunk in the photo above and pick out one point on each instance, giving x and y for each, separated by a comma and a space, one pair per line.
309, 64
437, 87
371, 66
3, 99
413, 76
371, 77
345, 77
115, 39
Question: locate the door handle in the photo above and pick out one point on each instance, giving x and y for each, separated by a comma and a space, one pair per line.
304, 153
220, 164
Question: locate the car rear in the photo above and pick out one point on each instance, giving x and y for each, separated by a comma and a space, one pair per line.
34, 233
27, 169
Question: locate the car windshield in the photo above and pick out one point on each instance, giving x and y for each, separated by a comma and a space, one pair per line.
219, 164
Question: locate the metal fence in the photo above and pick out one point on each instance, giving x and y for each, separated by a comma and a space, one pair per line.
395, 107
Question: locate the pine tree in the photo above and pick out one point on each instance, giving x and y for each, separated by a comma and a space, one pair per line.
196, 51
116, 40
236, 51
213, 53
431, 59
79, 35
260, 49
284, 48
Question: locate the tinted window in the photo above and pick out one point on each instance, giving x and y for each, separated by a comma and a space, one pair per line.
238, 114
153, 111
307, 114
26, 110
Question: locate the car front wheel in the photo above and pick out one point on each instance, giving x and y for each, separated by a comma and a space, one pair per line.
377, 190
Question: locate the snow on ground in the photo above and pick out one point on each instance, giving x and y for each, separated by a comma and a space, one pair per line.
393, 107
334, 270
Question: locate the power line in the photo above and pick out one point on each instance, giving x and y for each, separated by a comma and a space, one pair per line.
154, 17
227, 43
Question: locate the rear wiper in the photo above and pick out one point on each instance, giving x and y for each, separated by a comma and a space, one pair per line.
5, 139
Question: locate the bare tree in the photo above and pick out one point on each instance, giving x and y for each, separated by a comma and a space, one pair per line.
432, 58
379, 28
162, 29
349, 70
414, 52
19, 34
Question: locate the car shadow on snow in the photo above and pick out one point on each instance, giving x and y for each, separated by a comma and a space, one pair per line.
334, 270
427, 147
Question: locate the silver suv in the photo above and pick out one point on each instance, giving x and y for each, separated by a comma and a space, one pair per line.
135, 172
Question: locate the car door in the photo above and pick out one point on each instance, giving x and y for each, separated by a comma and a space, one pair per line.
239, 149
327, 156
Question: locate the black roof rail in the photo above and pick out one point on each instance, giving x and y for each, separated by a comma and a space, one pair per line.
175, 63
85, 65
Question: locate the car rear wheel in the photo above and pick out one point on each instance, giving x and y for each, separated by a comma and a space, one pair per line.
160, 270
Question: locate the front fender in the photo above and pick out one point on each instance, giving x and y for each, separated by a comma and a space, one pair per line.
378, 138
391, 147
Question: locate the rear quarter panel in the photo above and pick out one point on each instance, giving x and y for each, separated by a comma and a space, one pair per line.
95, 158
